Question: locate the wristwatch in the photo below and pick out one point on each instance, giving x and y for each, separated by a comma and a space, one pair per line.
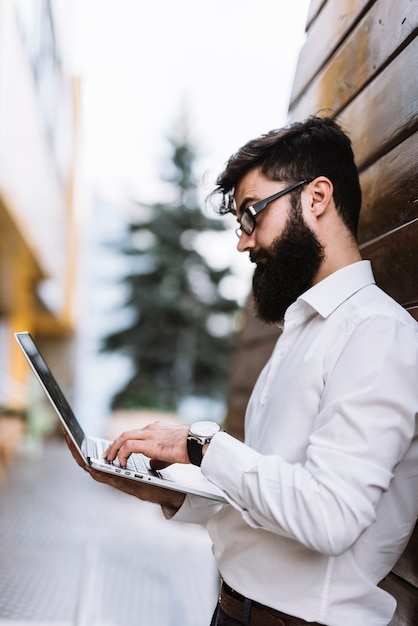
200, 433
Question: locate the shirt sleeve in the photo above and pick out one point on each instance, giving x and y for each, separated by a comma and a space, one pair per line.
365, 425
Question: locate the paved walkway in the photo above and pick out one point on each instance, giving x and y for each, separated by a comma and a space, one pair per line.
75, 552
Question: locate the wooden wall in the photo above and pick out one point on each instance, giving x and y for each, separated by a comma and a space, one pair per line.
360, 65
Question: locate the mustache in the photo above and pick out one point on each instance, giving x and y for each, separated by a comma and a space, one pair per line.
259, 256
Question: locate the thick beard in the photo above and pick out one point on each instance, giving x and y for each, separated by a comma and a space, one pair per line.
288, 267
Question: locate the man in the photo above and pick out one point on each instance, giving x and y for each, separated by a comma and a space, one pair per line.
323, 494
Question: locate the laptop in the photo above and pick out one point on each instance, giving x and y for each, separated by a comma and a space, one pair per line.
185, 478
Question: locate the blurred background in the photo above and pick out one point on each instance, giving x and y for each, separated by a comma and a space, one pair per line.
115, 120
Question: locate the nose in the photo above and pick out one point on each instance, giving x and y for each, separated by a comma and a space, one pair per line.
246, 242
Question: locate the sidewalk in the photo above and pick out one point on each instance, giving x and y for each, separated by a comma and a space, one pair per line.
75, 552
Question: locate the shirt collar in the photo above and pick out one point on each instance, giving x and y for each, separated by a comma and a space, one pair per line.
333, 290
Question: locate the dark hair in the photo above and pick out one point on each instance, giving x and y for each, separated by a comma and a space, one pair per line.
316, 147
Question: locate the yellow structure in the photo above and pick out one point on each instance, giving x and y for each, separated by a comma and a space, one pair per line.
38, 131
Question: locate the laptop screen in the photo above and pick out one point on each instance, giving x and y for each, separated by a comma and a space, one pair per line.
50, 385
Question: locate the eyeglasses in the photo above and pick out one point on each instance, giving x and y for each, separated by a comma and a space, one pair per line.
247, 217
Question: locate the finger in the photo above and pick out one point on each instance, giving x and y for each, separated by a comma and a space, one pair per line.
112, 451
152, 432
143, 440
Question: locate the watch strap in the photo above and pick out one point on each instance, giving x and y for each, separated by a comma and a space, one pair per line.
195, 450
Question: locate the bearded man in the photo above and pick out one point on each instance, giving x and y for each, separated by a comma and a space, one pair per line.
323, 494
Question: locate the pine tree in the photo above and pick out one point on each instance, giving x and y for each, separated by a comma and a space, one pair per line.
173, 342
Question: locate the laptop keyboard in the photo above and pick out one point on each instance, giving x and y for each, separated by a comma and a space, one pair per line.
136, 463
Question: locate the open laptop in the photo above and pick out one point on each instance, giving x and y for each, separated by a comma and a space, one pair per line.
180, 477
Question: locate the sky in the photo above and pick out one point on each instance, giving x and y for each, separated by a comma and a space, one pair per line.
228, 64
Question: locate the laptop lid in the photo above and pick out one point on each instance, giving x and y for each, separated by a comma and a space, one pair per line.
182, 477
51, 388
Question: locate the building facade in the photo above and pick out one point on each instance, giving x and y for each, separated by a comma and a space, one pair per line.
38, 146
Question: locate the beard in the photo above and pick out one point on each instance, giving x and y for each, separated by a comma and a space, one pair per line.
287, 268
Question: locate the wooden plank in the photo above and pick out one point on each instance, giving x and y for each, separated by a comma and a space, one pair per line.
376, 121
390, 191
375, 40
395, 260
331, 26
379, 122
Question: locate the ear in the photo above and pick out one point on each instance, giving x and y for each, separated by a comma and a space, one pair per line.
321, 191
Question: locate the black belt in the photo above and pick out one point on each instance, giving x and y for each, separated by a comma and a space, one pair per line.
232, 603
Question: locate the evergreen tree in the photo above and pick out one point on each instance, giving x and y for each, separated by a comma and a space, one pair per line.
176, 347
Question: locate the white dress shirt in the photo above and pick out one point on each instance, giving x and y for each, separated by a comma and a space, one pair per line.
324, 492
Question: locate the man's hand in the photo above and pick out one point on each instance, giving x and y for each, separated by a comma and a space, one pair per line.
144, 491
162, 442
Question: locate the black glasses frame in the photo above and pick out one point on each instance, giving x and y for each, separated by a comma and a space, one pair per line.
246, 220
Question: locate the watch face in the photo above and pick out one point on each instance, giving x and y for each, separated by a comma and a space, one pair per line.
204, 429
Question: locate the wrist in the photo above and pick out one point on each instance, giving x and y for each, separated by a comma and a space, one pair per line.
199, 438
